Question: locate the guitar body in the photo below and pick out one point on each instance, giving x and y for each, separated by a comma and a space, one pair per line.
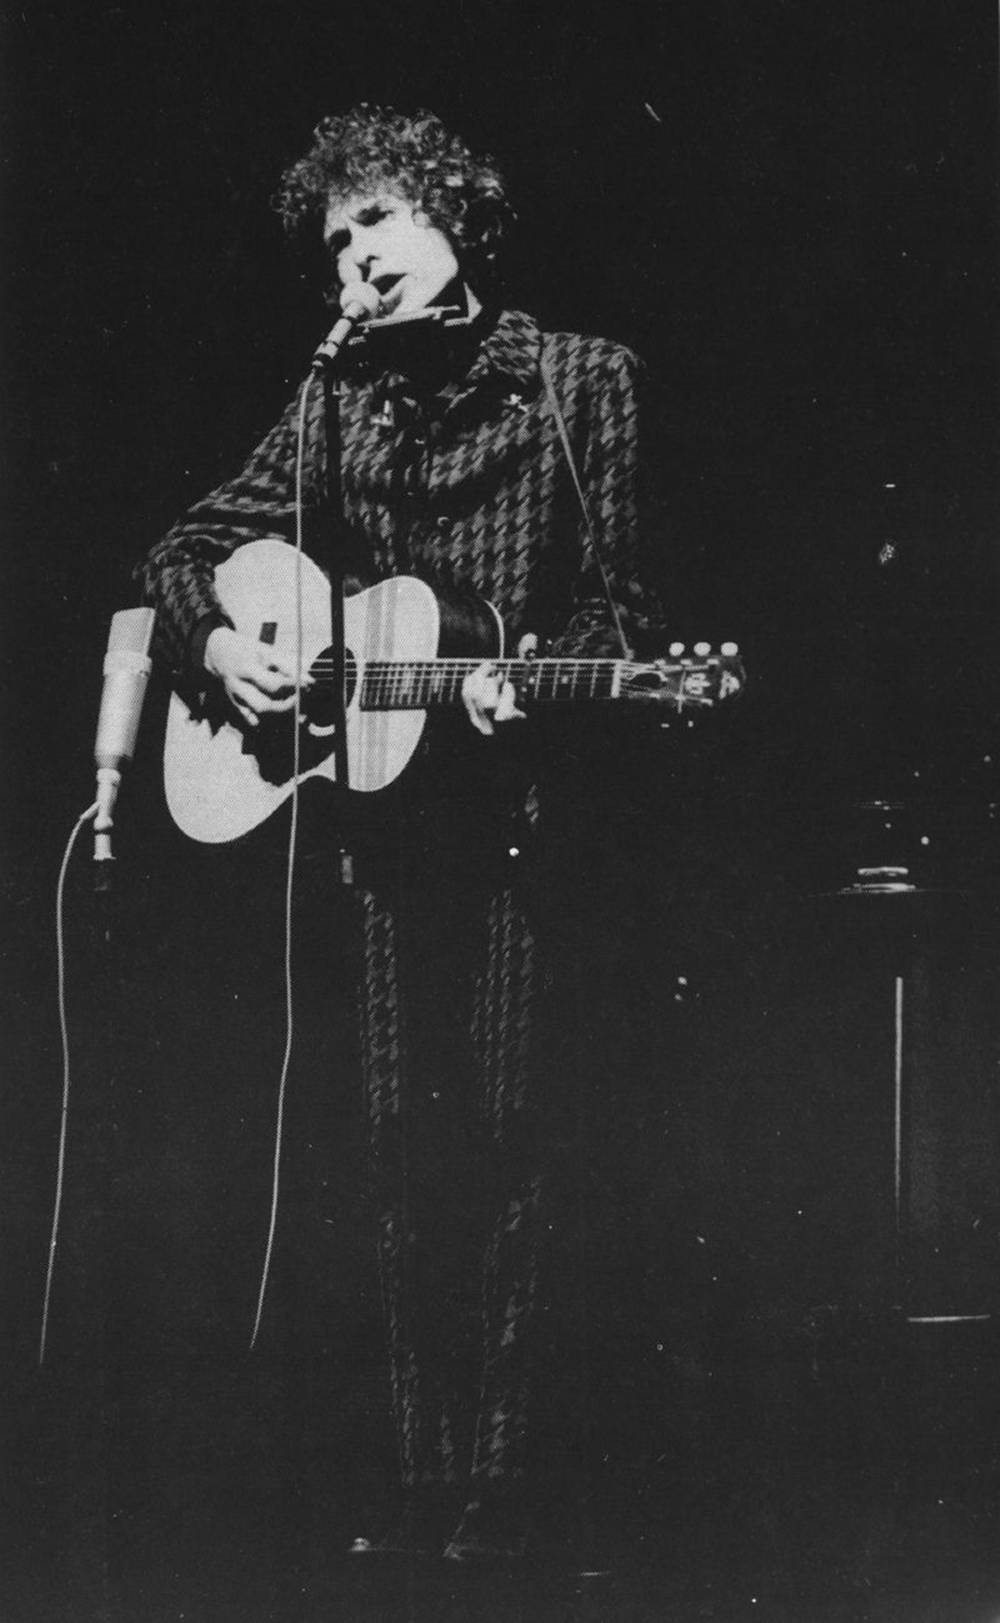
221, 780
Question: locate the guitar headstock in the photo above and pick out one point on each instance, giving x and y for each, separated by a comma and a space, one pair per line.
688, 681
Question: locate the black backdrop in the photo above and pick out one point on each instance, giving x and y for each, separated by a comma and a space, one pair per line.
790, 212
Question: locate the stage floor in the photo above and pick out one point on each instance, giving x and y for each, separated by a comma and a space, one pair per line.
859, 1486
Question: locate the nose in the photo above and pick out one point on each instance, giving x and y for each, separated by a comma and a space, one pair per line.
359, 253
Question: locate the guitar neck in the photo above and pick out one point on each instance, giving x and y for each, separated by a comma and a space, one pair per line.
419, 684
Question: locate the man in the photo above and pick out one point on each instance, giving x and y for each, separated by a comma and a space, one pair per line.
469, 451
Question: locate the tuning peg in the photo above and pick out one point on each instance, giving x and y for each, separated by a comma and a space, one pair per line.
729, 649
703, 649
676, 650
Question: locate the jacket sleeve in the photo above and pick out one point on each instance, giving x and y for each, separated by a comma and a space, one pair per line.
177, 577
608, 452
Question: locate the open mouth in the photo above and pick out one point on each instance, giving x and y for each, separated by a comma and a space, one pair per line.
385, 284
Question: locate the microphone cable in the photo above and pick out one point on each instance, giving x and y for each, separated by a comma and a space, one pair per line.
85, 817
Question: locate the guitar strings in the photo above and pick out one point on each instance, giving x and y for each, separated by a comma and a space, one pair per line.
402, 684
293, 829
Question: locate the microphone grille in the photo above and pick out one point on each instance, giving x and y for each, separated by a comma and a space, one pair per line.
361, 297
131, 631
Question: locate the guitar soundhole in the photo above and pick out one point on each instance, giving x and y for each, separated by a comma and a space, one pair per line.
319, 708
273, 742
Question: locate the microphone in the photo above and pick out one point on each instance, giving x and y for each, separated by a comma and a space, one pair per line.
126, 671
359, 301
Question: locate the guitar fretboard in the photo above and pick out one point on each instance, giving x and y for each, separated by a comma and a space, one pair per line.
418, 684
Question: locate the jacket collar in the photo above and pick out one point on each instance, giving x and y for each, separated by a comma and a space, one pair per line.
507, 351
510, 352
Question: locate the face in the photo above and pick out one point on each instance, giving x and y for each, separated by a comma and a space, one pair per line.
387, 241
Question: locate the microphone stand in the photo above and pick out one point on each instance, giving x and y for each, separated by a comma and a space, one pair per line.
334, 510
327, 366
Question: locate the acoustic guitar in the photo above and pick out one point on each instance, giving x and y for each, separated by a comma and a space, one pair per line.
407, 652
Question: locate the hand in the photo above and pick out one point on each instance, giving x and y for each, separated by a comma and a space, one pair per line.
258, 680
486, 694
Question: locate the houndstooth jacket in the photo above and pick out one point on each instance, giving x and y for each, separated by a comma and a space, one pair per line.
468, 488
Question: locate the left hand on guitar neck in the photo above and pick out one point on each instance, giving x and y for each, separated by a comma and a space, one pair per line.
485, 696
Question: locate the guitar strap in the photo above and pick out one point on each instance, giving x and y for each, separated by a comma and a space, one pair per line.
584, 509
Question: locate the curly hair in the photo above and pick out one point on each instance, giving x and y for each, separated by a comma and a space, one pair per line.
370, 149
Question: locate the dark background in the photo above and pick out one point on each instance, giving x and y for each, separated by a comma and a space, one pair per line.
790, 212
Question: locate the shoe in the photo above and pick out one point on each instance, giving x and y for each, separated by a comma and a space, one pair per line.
397, 1537
396, 1544
490, 1532
416, 1531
